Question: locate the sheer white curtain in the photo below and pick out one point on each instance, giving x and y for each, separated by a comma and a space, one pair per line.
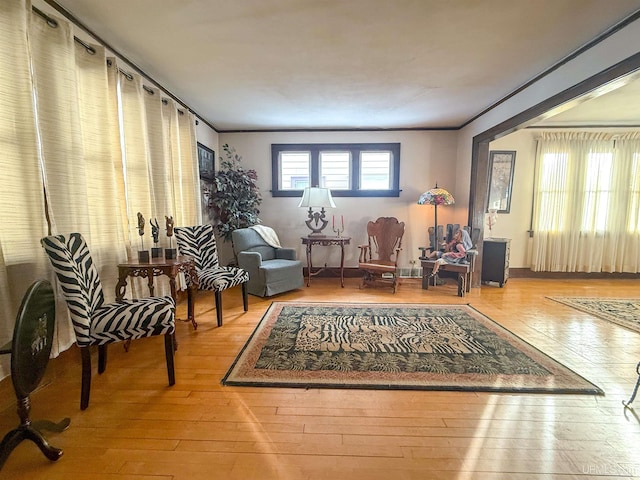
136, 155
78, 155
161, 171
173, 160
159, 160
67, 121
100, 136
160, 166
628, 150
183, 162
581, 211
22, 260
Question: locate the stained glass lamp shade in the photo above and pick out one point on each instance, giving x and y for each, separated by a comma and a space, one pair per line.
436, 196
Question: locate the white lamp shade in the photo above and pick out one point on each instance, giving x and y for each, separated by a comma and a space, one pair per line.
316, 197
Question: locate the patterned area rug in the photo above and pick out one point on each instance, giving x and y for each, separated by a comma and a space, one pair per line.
395, 346
621, 311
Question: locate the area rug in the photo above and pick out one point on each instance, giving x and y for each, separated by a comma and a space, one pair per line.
395, 346
621, 311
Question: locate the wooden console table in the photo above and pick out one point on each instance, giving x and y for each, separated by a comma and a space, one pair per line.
161, 266
310, 241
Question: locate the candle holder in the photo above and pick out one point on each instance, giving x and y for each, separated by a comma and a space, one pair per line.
340, 228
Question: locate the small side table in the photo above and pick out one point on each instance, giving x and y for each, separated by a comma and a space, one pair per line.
161, 266
323, 241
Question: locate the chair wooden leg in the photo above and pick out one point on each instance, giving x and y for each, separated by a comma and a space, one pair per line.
86, 377
102, 358
168, 352
191, 312
245, 297
218, 296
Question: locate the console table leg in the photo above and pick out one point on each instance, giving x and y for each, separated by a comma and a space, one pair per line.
308, 264
342, 265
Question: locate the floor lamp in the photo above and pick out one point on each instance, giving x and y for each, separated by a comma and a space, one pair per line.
436, 196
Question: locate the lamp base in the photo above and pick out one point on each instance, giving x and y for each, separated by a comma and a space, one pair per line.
316, 223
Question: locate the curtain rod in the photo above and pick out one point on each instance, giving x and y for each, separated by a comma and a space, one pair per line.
53, 23
149, 90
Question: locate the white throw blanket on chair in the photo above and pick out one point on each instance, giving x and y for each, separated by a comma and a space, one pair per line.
268, 234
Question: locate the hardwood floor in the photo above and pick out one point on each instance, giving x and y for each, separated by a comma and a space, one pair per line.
136, 427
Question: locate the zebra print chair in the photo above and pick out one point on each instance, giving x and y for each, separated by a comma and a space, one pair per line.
199, 243
98, 323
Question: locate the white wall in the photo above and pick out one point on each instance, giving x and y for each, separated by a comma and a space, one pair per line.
209, 138
515, 224
426, 157
607, 53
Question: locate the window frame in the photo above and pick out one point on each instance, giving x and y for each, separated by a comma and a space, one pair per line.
355, 149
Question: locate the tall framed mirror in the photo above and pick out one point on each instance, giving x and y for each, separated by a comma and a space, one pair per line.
501, 167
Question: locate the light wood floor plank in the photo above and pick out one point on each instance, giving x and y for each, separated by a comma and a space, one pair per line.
138, 428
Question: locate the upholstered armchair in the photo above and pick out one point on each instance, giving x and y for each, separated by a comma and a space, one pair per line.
272, 268
97, 323
199, 243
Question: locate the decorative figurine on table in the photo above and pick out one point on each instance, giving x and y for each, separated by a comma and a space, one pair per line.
170, 253
156, 251
492, 218
143, 255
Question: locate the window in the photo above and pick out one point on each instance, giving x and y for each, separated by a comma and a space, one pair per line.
584, 188
334, 170
349, 170
375, 171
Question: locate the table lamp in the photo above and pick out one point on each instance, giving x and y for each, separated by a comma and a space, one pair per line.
316, 197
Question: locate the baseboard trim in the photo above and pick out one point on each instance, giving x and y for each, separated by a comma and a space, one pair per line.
354, 272
528, 273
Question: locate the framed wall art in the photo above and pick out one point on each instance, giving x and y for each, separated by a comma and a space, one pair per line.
206, 162
501, 167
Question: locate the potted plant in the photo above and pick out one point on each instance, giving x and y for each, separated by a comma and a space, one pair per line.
236, 196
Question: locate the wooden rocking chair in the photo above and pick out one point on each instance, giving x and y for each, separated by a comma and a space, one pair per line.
379, 257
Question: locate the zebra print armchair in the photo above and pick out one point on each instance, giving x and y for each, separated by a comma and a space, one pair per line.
98, 323
199, 243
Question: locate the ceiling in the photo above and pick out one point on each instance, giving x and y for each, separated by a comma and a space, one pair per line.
619, 107
337, 64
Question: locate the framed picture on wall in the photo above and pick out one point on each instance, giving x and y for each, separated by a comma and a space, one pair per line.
501, 166
206, 162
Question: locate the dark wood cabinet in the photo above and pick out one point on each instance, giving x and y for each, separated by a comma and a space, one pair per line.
495, 260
